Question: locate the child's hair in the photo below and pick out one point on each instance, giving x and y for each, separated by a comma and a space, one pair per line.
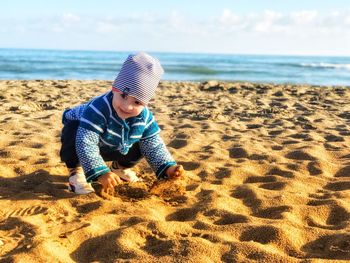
139, 76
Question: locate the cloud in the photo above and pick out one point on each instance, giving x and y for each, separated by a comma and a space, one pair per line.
69, 19
268, 22
176, 30
106, 27
347, 20
304, 17
295, 23
229, 18
227, 21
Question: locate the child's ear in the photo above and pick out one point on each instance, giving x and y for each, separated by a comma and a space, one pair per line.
114, 90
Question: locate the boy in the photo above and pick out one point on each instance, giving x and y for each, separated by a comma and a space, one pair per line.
117, 126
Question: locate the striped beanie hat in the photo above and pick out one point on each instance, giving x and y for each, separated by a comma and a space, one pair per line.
139, 76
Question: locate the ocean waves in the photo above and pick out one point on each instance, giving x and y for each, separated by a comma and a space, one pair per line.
56, 64
323, 65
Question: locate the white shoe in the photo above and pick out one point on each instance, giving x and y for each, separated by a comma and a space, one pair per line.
78, 183
125, 174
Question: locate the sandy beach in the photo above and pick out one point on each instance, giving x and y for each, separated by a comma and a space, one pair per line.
267, 178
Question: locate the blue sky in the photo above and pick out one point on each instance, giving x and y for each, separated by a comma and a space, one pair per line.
302, 27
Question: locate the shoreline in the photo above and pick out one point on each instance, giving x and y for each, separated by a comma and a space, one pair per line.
241, 82
268, 177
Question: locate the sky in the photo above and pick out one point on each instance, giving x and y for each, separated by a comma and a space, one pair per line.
280, 27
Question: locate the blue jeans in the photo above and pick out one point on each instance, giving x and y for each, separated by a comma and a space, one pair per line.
69, 155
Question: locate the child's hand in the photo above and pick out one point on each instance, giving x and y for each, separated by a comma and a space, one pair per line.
109, 181
175, 172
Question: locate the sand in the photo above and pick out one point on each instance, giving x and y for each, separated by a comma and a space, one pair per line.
267, 178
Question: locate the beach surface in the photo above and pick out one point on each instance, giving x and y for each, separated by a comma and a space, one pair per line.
267, 178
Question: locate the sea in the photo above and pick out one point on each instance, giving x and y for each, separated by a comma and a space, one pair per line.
29, 64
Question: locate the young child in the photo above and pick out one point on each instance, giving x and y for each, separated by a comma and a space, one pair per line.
117, 126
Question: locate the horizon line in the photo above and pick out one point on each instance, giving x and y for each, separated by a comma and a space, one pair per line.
176, 52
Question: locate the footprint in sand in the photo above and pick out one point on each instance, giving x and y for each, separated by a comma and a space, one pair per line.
277, 147
248, 197
26, 211
328, 216
303, 136
178, 143
254, 126
223, 217
37, 145
276, 186
131, 221
344, 133
288, 142
158, 247
333, 138
238, 152
331, 147
203, 175
262, 234
274, 133
322, 197
258, 157
343, 172
4, 154
230, 219
42, 161
337, 215
17, 236
345, 115
182, 136
187, 126
223, 173
260, 179
185, 214
269, 182
190, 166
338, 186
336, 246
213, 238
273, 212
13, 143
300, 155
230, 138
314, 168
89, 207
192, 187
280, 172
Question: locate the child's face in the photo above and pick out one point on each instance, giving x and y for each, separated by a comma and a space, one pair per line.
126, 106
